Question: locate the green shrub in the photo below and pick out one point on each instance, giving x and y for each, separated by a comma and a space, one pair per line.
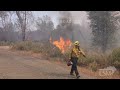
114, 58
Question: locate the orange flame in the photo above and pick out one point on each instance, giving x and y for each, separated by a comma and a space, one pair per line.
62, 44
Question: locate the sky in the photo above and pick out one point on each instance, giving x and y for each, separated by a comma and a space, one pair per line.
53, 14
79, 17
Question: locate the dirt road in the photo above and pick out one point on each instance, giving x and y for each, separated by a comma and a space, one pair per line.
14, 65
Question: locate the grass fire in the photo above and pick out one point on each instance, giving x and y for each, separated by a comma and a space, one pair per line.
62, 44
39, 41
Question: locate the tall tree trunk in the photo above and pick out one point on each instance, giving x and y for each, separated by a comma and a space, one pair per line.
23, 25
24, 29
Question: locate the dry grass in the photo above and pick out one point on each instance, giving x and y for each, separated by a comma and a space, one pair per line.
3, 43
38, 47
93, 61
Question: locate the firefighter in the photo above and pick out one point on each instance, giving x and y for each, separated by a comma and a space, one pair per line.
75, 53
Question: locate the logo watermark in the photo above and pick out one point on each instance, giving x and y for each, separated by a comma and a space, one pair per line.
109, 71
65, 21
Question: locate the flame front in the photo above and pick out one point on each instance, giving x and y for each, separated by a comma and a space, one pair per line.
62, 44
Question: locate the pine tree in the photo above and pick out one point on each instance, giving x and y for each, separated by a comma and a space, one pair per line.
103, 29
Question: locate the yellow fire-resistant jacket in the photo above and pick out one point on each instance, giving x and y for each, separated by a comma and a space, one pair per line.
76, 52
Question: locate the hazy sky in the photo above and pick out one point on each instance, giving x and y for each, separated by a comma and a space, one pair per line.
78, 16
53, 14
